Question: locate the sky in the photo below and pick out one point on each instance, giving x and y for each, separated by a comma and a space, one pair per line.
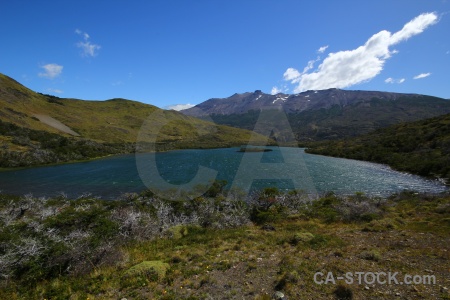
178, 53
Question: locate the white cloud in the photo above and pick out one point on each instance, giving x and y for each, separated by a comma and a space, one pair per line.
346, 68
292, 75
51, 71
322, 49
275, 90
179, 107
392, 80
88, 48
414, 27
423, 75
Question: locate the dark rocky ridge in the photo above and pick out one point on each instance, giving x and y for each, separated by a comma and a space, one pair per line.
320, 115
295, 103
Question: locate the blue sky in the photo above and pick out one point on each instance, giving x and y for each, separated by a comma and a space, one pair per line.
171, 52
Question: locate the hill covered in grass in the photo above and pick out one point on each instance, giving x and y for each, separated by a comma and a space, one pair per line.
39, 129
421, 147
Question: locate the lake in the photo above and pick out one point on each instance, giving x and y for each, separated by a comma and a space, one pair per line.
285, 168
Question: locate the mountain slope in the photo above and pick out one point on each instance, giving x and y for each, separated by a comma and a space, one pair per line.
309, 100
322, 115
421, 147
28, 120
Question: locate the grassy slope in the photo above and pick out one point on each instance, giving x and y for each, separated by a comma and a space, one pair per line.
115, 121
421, 147
97, 243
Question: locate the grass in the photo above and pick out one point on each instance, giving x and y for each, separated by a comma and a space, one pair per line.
189, 261
106, 127
421, 147
113, 121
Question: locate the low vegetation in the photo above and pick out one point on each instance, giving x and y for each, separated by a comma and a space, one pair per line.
35, 128
221, 245
22, 147
421, 147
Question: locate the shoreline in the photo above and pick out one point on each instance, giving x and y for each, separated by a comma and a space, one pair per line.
112, 191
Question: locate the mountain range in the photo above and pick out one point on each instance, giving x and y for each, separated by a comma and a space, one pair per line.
320, 115
39, 129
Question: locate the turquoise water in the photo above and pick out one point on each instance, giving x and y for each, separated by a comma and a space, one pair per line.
285, 168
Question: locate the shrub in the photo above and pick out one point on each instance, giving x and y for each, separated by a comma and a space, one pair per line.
301, 237
318, 241
372, 255
380, 225
287, 278
357, 209
343, 292
177, 232
265, 206
153, 270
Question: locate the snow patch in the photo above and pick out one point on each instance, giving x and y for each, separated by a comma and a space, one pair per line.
280, 98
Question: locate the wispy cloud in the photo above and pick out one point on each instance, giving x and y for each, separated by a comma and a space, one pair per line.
322, 49
423, 75
275, 90
392, 80
51, 71
88, 48
349, 67
55, 91
179, 106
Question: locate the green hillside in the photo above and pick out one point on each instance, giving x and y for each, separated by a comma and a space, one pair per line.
39, 129
421, 147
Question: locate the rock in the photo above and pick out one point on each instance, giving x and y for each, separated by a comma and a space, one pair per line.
278, 296
370, 255
268, 227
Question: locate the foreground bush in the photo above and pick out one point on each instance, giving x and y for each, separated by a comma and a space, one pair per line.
48, 239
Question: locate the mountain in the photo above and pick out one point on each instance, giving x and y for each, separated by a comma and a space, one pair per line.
39, 129
309, 100
421, 147
321, 115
